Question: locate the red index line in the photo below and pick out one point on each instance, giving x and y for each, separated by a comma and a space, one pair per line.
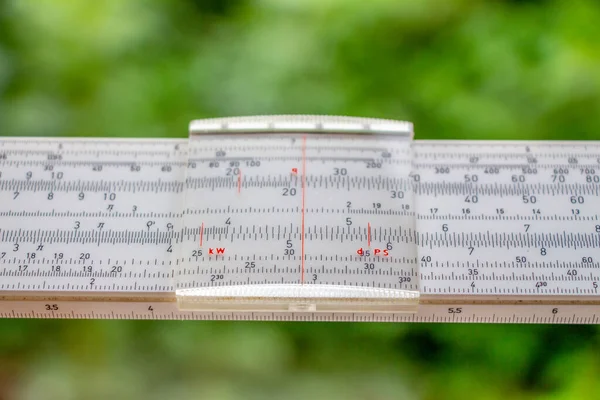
201, 233
303, 200
240, 181
369, 234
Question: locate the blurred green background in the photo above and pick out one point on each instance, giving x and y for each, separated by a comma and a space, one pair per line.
459, 69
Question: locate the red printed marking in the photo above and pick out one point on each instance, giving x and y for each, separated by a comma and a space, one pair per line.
201, 233
374, 252
294, 171
369, 234
219, 250
240, 181
303, 199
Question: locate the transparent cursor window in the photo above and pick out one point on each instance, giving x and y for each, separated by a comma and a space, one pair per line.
298, 213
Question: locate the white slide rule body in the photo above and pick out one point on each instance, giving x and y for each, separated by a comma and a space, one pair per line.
464, 231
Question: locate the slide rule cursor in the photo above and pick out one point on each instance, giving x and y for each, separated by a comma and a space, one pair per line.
298, 213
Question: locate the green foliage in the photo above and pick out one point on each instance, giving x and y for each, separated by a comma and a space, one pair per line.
460, 69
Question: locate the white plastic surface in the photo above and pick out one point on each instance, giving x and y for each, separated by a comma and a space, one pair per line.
102, 218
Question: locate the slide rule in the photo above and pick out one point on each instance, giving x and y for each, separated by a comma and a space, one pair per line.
300, 218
